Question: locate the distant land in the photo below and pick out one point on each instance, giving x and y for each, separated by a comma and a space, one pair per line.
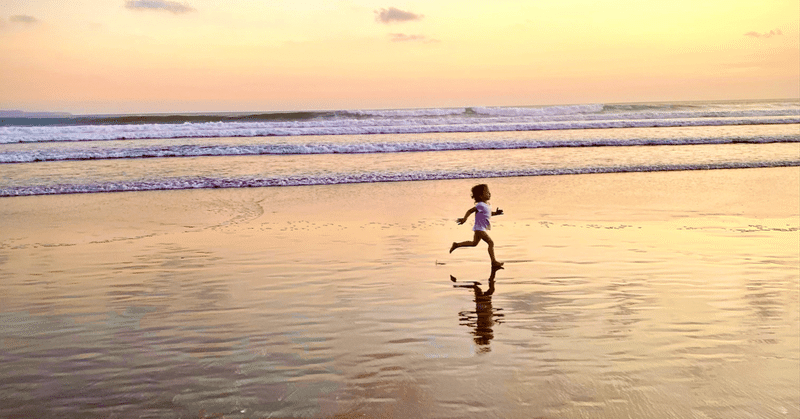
23, 114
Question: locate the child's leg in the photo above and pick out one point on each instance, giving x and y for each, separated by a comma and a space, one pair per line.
483, 235
475, 240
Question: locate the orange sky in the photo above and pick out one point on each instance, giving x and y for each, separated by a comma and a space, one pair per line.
98, 56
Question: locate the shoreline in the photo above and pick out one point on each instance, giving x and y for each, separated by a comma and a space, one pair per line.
213, 184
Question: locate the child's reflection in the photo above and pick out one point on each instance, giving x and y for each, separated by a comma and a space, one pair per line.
484, 316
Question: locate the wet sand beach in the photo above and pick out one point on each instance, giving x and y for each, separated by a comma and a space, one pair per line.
657, 295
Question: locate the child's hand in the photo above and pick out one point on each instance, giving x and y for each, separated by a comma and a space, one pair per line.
460, 221
498, 212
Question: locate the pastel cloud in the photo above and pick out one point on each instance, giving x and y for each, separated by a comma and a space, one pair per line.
162, 5
769, 34
23, 19
401, 37
393, 14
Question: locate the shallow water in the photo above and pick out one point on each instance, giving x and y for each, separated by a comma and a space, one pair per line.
339, 301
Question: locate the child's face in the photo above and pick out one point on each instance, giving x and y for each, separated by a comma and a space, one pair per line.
485, 196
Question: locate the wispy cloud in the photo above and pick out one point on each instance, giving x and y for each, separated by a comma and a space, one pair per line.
395, 15
163, 5
769, 34
401, 37
23, 19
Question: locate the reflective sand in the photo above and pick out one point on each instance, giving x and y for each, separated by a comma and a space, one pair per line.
654, 295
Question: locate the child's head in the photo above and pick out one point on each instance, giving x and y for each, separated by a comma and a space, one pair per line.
480, 193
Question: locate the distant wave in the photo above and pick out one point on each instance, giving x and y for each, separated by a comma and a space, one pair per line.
479, 110
403, 113
67, 120
544, 111
211, 183
161, 151
11, 135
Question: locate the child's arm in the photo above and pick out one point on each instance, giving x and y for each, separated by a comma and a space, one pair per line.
463, 220
498, 212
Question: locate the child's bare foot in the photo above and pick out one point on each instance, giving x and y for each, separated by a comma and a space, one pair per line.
497, 265
453, 247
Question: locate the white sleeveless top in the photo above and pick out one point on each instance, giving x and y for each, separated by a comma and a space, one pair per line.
482, 215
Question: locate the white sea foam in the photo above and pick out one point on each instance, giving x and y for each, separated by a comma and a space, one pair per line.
10, 135
211, 183
164, 150
79, 153
410, 121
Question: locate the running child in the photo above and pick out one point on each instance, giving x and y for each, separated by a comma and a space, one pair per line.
483, 212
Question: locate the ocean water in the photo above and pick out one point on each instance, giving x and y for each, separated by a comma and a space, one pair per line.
671, 292
109, 153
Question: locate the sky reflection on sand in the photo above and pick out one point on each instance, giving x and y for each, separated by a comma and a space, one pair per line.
636, 294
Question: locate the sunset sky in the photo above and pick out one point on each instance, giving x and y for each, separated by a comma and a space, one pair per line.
123, 56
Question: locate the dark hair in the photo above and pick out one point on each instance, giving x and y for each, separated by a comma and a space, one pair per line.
479, 190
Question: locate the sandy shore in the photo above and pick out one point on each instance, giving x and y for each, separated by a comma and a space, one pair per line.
644, 294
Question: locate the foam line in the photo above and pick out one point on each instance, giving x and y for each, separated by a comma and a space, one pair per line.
210, 183
162, 151
10, 135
